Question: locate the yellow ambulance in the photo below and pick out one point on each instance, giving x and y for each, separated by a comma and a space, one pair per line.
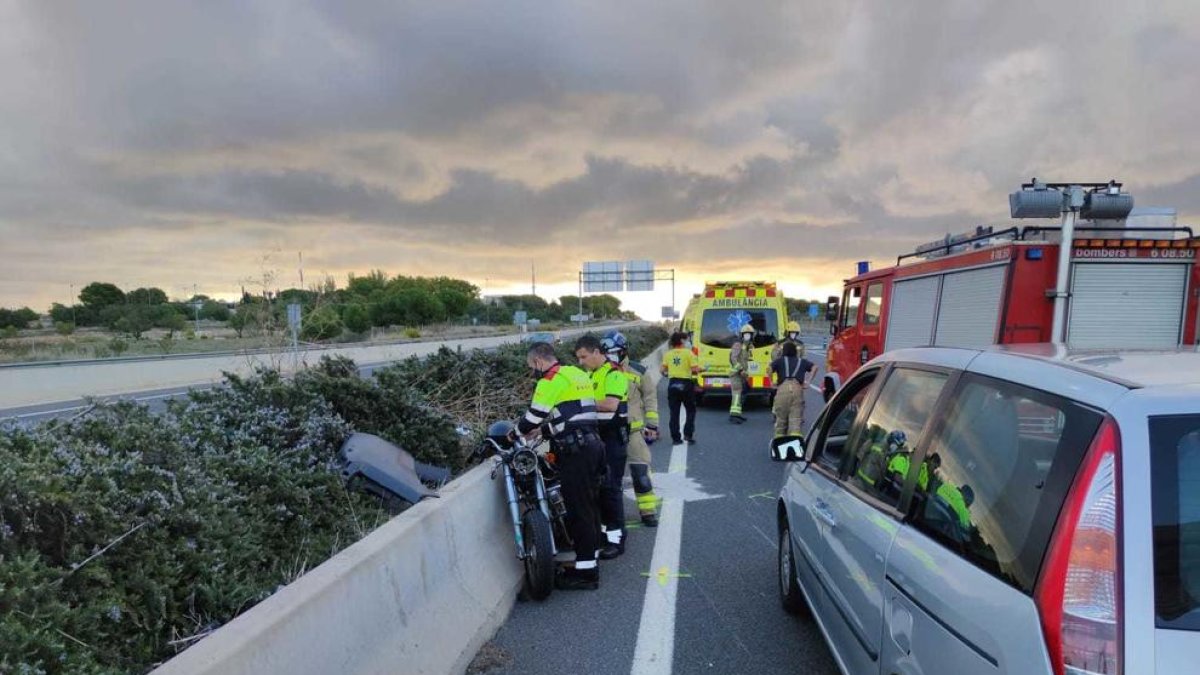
714, 319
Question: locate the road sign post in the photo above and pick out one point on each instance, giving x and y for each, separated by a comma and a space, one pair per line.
293, 316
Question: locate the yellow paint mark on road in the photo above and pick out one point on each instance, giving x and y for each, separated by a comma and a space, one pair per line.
664, 575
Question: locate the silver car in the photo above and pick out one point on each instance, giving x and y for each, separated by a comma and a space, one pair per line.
1015, 510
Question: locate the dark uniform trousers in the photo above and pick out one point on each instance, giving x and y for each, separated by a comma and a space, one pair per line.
612, 496
681, 394
580, 458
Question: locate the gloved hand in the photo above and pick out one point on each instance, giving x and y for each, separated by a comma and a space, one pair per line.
650, 434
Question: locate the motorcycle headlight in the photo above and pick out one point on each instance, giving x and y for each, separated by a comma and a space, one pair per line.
524, 462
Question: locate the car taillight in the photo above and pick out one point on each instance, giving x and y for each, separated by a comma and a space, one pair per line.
1079, 592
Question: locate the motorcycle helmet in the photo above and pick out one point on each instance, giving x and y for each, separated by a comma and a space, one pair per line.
501, 432
615, 346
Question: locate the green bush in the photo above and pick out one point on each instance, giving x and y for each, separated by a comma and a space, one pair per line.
356, 318
204, 511
322, 323
412, 333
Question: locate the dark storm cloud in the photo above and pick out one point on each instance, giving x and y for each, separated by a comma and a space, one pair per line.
205, 74
475, 201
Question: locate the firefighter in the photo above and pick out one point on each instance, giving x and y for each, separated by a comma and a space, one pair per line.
792, 337
643, 424
739, 362
611, 390
793, 374
564, 403
679, 366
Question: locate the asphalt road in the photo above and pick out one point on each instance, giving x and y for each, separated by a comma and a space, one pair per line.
727, 615
154, 399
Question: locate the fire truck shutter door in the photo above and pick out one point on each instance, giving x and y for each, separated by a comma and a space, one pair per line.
1126, 305
910, 314
970, 307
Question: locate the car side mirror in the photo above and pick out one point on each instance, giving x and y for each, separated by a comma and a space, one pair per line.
789, 449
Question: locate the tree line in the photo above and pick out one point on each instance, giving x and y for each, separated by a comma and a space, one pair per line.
374, 300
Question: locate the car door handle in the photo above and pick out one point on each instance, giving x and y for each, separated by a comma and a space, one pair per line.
823, 512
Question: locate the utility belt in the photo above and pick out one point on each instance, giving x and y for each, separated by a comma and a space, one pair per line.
574, 440
792, 380
680, 384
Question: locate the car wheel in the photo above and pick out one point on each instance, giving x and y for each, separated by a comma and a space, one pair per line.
789, 587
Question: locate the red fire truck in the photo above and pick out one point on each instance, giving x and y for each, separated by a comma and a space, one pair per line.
1124, 291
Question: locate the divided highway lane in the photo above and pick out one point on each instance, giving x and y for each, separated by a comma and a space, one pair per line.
726, 612
42, 391
25, 386
155, 399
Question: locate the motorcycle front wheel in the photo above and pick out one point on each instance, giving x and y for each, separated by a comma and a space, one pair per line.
539, 554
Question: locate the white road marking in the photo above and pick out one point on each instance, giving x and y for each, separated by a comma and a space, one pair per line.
655, 649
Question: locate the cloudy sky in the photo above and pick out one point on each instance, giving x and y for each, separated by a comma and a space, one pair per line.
180, 143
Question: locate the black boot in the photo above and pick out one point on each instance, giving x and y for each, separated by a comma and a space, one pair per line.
611, 551
577, 580
650, 520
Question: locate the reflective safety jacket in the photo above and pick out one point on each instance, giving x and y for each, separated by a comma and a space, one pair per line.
563, 399
777, 350
608, 381
643, 397
739, 358
947, 492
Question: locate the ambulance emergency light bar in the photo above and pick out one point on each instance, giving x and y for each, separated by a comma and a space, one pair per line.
1094, 201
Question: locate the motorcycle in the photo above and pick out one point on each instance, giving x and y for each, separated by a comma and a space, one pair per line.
535, 503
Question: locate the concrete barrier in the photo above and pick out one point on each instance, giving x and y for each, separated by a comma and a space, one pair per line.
421, 594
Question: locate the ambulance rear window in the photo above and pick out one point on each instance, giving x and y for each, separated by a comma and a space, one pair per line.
720, 327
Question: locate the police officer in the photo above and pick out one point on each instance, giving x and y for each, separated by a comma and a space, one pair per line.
565, 405
739, 366
611, 391
680, 367
792, 337
643, 424
793, 374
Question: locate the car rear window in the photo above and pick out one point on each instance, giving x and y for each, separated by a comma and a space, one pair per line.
996, 473
1175, 484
